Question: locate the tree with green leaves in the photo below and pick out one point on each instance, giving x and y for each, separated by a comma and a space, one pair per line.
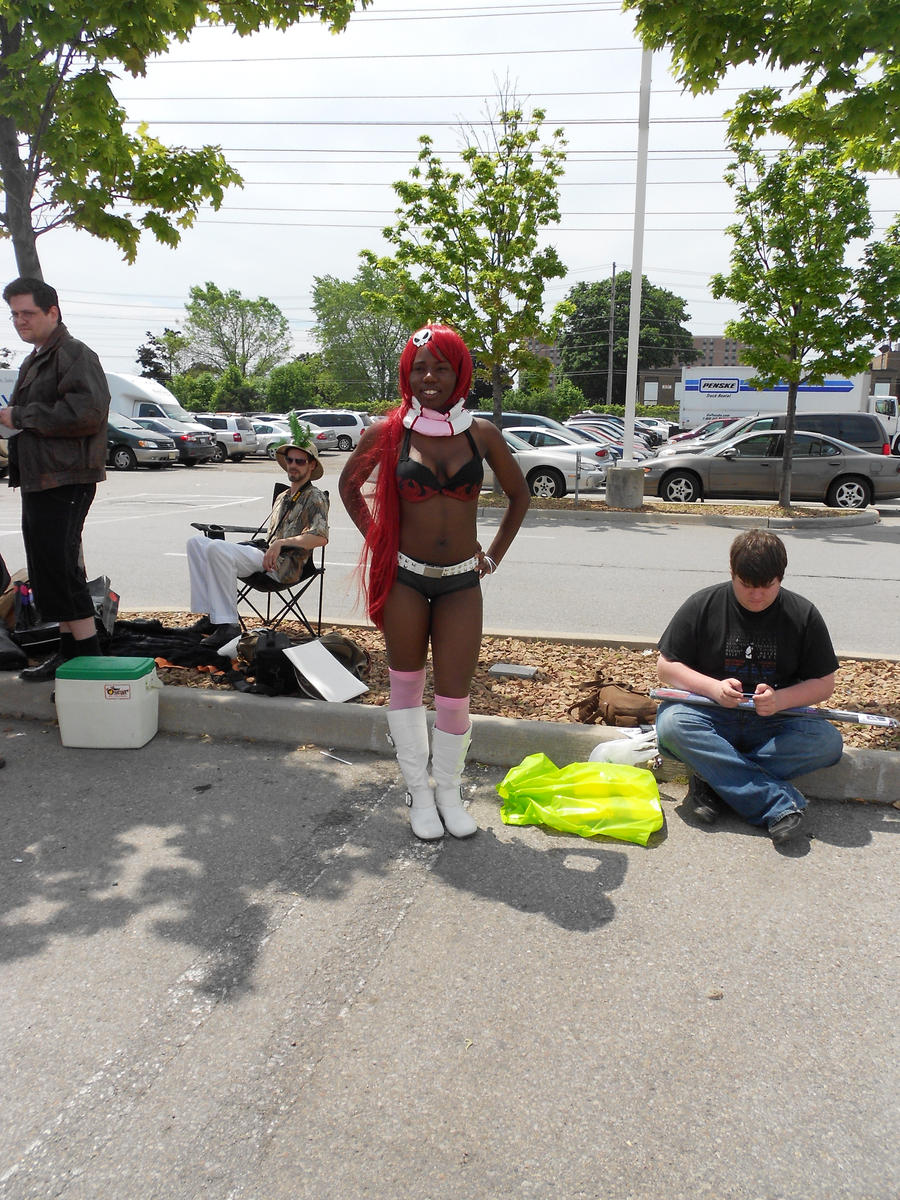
66, 156
845, 56
225, 329
162, 355
303, 383
234, 393
663, 337
194, 390
467, 242
559, 401
360, 343
806, 312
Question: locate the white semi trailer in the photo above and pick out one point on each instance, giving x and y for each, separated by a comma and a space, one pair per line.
706, 393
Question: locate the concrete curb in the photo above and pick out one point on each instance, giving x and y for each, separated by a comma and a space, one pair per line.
872, 775
588, 514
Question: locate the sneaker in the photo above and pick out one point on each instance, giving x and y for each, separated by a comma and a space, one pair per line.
705, 803
785, 827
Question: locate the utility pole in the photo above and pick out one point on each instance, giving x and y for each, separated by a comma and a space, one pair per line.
612, 332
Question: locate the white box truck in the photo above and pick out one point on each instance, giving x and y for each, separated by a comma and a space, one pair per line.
706, 393
131, 395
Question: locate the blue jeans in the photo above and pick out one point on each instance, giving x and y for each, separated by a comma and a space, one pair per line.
747, 759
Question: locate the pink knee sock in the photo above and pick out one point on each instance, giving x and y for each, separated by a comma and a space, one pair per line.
407, 688
451, 713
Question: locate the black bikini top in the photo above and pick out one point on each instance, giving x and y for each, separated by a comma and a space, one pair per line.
417, 482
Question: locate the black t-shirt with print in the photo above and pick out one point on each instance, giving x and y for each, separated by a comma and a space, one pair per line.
782, 645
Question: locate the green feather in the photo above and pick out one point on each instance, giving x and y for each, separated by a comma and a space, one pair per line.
302, 434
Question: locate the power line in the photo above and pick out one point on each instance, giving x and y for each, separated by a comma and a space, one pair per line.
318, 58
420, 124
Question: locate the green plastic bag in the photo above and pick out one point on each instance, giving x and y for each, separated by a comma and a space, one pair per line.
586, 798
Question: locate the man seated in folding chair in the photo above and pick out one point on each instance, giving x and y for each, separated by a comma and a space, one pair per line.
297, 524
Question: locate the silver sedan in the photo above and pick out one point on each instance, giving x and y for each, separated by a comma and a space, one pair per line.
751, 467
550, 473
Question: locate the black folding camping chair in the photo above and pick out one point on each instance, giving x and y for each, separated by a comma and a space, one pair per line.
282, 600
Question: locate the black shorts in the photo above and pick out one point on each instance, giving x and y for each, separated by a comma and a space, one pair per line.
443, 586
52, 522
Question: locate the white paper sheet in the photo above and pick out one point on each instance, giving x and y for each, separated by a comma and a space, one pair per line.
322, 670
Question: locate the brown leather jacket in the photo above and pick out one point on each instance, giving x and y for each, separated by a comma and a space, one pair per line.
60, 403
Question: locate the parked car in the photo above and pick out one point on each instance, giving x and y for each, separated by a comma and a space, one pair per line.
542, 438
346, 425
233, 433
751, 467
705, 430
550, 473
269, 436
193, 443
657, 425
129, 445
521, 419
862, 430
613, 426
613, 438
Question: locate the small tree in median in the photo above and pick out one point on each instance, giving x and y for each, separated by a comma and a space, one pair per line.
468, 243
805, 313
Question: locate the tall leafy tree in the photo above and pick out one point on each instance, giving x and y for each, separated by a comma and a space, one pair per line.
66, 157
361, 343
847, 57
806, 312
302, 383
162, 355
468, 242
225, 329
663, 336
195, 390
234, 393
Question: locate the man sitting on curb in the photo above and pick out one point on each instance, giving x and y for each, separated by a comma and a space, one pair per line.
297, 524
749, 637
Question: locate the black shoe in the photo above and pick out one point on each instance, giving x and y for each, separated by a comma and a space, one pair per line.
786, 827
204, 625
220, 636
43, 671
705, 803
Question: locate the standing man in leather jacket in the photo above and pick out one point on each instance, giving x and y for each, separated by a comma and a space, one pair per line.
57, 455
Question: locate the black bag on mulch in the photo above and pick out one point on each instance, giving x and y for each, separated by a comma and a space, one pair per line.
267, 671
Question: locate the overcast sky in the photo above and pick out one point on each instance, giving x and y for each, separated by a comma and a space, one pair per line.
321, 125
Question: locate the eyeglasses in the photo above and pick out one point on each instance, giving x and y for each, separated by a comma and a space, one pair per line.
300, 462
28, 313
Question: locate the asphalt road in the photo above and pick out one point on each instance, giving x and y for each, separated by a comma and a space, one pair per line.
228, 972
561, 576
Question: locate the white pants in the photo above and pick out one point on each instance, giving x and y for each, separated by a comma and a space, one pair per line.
215, 566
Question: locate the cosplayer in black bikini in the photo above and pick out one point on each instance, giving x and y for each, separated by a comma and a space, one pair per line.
425, 563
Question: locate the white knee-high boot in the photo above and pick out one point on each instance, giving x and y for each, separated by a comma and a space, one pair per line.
448, 755
409, 736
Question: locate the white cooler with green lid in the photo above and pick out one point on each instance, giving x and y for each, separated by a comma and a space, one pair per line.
107, 702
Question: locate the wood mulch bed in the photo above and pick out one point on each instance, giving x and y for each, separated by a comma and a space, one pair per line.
566, 671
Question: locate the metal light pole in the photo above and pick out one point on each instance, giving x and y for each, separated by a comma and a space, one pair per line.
612, 334
627, 478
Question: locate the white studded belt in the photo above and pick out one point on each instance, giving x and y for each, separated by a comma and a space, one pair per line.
430, 571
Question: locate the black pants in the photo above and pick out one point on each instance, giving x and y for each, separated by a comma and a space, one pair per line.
52, 522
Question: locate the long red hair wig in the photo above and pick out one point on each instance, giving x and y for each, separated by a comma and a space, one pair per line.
379, 561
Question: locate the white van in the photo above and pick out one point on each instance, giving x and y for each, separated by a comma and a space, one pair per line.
131, 395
